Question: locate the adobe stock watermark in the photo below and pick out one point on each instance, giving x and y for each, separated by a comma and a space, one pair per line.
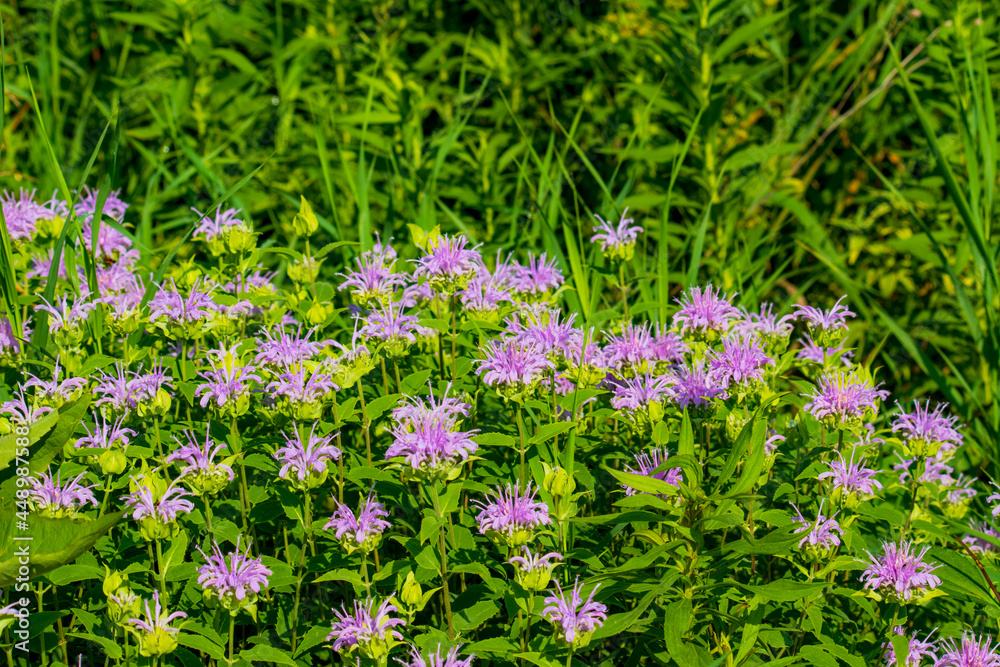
20, 608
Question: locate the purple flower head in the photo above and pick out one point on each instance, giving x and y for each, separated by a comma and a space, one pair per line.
145, 504
112, 245
773, 331
182, 317
147, 386
696, 389
619, 239
926, 431
209, 228
820, 535
634, 351
66, 319
117, 392
667, 347
547, 331
935, 472
448, 264
373, 282
392, 328
86, 204
739, 367
54, 392
918, 650
302, 393
11, 342
444, 409
844, 399
107, 434
284, 349
512, 368
969, 651
228, 383
201, 472
853, 483
530, 562
157, 619
366, 629
823, 356
995, 498
361, 531
827, 327
450, 659
483, 295
234, 579
511, 517
705, 312
21, 413
52, 498
305, 462
537, 278
22, 214
573, 618
981, 545
958, 495
431, 447
651, 464
641, 398
899, 573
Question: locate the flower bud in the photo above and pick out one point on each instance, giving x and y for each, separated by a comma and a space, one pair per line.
305, 222
158, 642
558, 482
411, 594
113, 581
112, 462
304, 271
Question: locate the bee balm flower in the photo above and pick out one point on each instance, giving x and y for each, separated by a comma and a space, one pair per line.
234, 579
158, 637
361, 532
899, 574
926, 431
511, 517
844, 400
512, 369
617, 242
370, 633
918, 650
827, 328
51, 498
970, 651
533, 571
573, 618
705, 313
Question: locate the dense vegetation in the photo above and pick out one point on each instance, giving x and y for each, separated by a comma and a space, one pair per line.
784, 153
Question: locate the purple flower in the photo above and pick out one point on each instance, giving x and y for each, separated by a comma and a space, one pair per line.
234, 579
574, 619
826, 327
483, 295
373, 282
765, 323
740, 365
144, 504
530, 562
448, 264
535, 279
619, 239
389, 325
935, 472
631, 352
970, 651
431, 447
302, 392
696, 389
10, 342
899, 572
435, 659
158, 620
227, 384
995, 498
925, 432
813, 353
651, 464
842, 399
635, 394
116, 391
371, 632
851, 481
65, 319
667, 346
918, 650
201, 473
510, 516
705, 311
771, 443
22, 414
981, 545
86, 204
106, 434
820, 535
53, 391
305, 462
547, 331
52, 498
512, 368
446, 409
211, 228
182, 317
21, 214
362, 531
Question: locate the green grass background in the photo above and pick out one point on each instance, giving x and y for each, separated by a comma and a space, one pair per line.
785, 150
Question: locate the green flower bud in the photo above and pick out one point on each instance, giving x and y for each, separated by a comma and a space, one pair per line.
240, 239
558, 482
112, 461
158, 642
304, 271
412, 594
113, 581
305, 222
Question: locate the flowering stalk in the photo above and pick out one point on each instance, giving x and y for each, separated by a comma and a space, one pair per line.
445, 594
523, 448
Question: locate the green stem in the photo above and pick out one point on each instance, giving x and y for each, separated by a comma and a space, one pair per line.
232, 632
445, 594
523, 446
364, 422
454, 333
621, 283
162, 577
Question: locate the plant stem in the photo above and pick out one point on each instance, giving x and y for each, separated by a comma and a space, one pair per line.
159, 563
445, 594
364, 422
621, 283
454, 333
232, 631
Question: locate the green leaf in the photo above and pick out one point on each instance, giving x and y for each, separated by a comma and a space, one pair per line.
264, 653
786, 590
201, 643
51, 543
